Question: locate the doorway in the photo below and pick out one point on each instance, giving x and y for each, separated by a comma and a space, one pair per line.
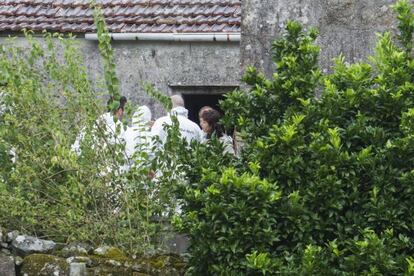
193, 102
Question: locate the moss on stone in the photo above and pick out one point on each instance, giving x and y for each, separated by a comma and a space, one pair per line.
180, 265
103, 270
158, 262
115, 254
111, 253
101, 260
162, 265
37, 264
161, 261
113, 262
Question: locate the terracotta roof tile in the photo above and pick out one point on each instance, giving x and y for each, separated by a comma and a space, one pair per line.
122, 15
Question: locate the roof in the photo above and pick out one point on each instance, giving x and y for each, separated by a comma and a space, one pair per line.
122, 16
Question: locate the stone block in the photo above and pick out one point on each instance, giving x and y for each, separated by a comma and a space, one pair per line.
77, 269
25, 245
7, 266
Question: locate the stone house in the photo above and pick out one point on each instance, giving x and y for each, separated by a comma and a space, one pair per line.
198, 48
346, 27
189, 47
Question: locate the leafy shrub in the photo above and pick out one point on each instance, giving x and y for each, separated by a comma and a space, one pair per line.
233, 212
341, 165
49, 191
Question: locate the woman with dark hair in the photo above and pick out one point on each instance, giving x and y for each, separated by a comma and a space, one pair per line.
209, 122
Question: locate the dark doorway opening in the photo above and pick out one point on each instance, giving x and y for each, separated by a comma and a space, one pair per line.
193, 102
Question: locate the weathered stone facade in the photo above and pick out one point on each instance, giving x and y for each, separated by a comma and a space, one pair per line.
170, 66
346, 26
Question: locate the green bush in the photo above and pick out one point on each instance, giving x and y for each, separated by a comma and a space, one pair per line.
340, 164
47, 100
233, 212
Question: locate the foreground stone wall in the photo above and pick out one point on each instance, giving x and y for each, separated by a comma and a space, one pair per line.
346, 26
30, 256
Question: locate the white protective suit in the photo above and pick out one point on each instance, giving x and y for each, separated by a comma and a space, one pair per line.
227, 142
138, 136
109, 126
189, 130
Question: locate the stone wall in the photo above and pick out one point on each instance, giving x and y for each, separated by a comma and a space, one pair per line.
346, 26
166, 65
30, 256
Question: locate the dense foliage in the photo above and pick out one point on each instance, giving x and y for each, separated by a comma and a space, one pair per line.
48, 190
324, 185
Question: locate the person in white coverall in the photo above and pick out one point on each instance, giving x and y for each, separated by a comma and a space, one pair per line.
111, 125
138, 136
189, 130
